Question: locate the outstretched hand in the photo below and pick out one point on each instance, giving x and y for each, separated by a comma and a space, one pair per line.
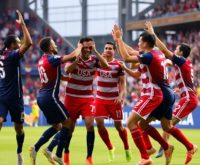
116, 32
20, 19
149, 27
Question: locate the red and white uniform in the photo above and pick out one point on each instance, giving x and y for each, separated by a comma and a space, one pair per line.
184, 81
79, 90
153, 74
108, 91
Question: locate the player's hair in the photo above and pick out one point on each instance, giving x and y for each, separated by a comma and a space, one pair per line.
185, 48
45, 43
86, 39
149, 38
111, 43
8, 41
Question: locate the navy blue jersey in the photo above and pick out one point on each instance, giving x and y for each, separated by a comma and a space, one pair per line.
10, 77
50, 73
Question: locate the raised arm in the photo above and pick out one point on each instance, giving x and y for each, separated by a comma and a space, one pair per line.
121, 46
103, 62
69, 68
159, 43
72, 55
27, 38
129, 49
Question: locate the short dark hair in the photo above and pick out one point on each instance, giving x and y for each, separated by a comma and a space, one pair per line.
8, 41
45, 43
111, 43
86, 39
185, 48
149, 38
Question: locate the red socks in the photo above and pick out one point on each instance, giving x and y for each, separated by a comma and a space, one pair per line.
123, 135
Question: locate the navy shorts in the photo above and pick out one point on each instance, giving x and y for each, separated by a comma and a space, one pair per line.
15, 107
166, 107
53, 109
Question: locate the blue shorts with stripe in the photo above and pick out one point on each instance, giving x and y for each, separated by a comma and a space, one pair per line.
53, 109
165, 109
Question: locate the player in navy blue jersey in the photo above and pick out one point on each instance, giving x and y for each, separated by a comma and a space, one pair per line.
11, 94
56, 114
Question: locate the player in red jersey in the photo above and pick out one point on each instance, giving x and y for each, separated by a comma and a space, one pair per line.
109, 99
79, 91
11, 93
184, 80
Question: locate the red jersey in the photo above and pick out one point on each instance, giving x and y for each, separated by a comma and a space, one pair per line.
80, 82
184, 75
154, 72
108, 81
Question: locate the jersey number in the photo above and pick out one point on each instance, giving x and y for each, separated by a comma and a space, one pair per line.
2, 71
163, 63
43, 75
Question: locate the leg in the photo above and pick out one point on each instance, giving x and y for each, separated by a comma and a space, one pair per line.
89, 123
132, 121
19, 136
103, 133
20, 141
122, 133
124, 137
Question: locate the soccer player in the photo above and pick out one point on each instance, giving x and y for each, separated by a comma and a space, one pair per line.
111, 86
79, 91
11, 94
48, 101
152, 95
79, 94
184, 79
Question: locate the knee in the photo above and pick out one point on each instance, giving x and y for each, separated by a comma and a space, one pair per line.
57, 127
19, 129
89, 126
119, 126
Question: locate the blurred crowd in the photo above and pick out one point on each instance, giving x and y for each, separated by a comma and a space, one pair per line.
32, 82
174, 7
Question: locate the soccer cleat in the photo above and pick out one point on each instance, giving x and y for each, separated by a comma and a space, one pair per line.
190, 154
33, 154
48, 155
58, 160
19, 159
128, 155
160, 153
145, 162
151, 151
66, 159
168, 154
111, 154
89, 161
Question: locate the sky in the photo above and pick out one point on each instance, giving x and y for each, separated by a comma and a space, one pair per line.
65, 16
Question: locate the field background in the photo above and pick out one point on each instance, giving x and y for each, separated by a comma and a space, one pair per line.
78, 148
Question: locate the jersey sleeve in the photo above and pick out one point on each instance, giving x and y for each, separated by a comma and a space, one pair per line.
178, 60
55, 60
14, 54
145, 58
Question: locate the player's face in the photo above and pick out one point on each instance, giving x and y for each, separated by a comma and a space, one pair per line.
142, 45
53, 47
87, 48
177, 51
109, 50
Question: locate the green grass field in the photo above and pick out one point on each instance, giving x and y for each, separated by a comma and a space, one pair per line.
78, 148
